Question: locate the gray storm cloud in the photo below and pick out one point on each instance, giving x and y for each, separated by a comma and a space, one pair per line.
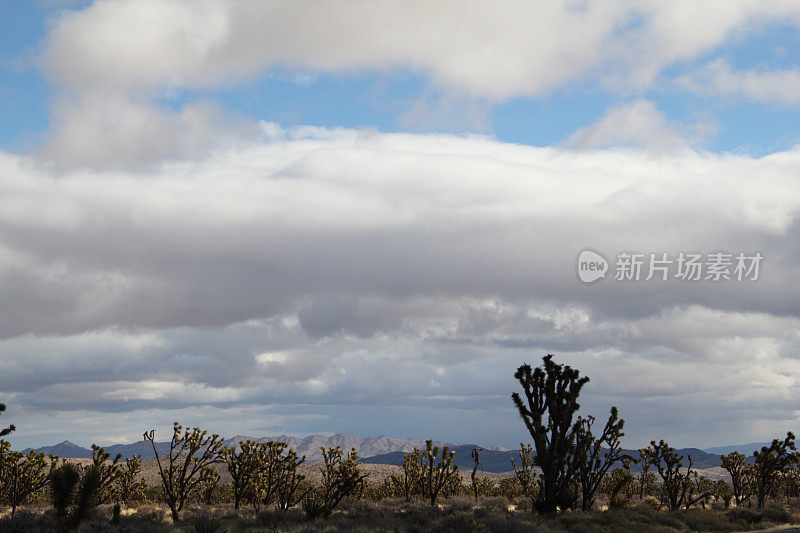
336, 266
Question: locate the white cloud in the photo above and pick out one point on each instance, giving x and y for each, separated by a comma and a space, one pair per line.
114, 59
719, 79
494, 51
637, 124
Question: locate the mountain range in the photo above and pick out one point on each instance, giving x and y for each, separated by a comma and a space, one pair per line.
380, 450
497, 461
309, 446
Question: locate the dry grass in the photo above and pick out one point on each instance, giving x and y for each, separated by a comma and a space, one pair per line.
458, 514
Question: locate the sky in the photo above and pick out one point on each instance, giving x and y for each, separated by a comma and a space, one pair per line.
269, 218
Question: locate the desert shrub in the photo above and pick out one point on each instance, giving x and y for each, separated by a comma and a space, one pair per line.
63, 482
377, 492
206, 523
75, 492
461, 522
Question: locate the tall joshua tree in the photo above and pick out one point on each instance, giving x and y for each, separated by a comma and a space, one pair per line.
550, 403
568, 453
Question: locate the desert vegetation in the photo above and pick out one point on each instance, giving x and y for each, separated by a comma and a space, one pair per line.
574, 475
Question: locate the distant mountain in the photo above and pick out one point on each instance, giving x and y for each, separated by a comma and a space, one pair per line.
491, 460
71, 450
500, 461
366, 447
309, 446
64, 449
746, 449
378, 450
143, 448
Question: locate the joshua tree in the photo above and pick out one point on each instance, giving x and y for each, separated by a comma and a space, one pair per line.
524, 474
127, 487
770, 463
288, 488
724, 492
677, 489
409, 482
206, 490
476, 459
620, 485
245, 467
22, 474
436, 475
272, 469
596, 455
552, 391
108, 472
741, 473
191, 452
647, 480
340, 478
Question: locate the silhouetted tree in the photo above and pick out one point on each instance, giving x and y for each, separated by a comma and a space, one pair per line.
551, 401
770, 463
678, 489
436, 474
596, 455
741, 475
245, 466
476, 459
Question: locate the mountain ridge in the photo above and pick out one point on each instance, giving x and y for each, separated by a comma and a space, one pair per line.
310, 446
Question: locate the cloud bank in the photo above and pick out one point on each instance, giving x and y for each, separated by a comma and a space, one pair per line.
326, 273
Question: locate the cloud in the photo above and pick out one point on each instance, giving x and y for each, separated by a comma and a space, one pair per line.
638, 124
719, 79
498, 51
349, 274
113, 61
116, 132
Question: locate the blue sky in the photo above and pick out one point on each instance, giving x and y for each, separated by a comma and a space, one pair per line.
366, 99
273, 218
